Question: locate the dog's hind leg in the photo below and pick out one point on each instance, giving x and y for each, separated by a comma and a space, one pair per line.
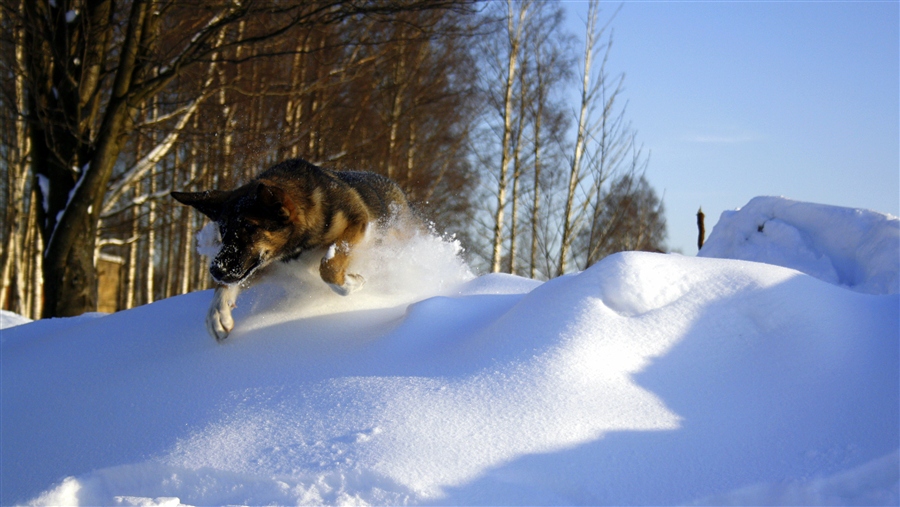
218, 320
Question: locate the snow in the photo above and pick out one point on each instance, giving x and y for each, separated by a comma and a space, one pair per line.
44, 184
646, 379
59, 215
10, 319
859, 249
209, 240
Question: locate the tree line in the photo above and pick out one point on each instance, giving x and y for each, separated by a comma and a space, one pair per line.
107, 105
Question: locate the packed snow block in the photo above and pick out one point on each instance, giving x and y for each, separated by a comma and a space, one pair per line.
855, 248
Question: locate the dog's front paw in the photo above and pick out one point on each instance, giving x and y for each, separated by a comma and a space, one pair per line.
219, 321
352, 283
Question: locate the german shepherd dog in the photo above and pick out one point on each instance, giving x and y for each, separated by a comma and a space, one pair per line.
291, 208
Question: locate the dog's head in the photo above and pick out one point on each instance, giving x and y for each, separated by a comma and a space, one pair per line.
255, 222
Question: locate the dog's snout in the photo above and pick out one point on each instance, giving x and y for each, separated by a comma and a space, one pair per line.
227, 269
226, 275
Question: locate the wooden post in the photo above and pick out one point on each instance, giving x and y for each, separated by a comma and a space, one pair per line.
701, 228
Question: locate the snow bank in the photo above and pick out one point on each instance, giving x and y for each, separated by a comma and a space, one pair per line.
10, 319
647, 379
858, 249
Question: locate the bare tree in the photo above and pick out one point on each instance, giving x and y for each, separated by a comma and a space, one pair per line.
632, 218
19, 290
606, 164
516, 15
518, 162
551, 69
587, 125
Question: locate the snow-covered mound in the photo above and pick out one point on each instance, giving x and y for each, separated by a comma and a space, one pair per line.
10, 319
858, 249
647, 379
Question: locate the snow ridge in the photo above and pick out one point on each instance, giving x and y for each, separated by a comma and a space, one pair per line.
647, 379
855, 248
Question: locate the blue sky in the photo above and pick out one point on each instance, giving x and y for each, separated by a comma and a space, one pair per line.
739, 99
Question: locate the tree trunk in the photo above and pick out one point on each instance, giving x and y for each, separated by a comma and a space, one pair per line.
536, 201
568, 234
15, 223
517, 170
514, 30
187, 231
131, 273
74, 170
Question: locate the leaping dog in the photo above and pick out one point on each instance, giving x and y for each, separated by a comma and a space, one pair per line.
291, 208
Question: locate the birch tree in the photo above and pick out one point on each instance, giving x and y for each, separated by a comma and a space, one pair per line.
519, 125
17, 153
575, 174
592, 125
516, 14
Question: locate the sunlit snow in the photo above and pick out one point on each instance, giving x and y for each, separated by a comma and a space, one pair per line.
646, 379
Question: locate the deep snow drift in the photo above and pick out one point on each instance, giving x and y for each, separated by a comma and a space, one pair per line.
647, 379
858, 249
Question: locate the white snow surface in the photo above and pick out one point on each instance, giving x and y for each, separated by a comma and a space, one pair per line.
856, 248
646, 379
10, 319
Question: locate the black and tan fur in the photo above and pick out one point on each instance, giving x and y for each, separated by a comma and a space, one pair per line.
291, 208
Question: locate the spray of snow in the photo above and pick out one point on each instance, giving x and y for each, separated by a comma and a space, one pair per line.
401, 263
209, 240
399, 268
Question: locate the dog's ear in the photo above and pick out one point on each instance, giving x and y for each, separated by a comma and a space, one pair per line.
276, 201
209, 202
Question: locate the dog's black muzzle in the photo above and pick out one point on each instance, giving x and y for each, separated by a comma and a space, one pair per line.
222, 275
230, 271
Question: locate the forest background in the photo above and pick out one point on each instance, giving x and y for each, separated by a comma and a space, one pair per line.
106, 106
